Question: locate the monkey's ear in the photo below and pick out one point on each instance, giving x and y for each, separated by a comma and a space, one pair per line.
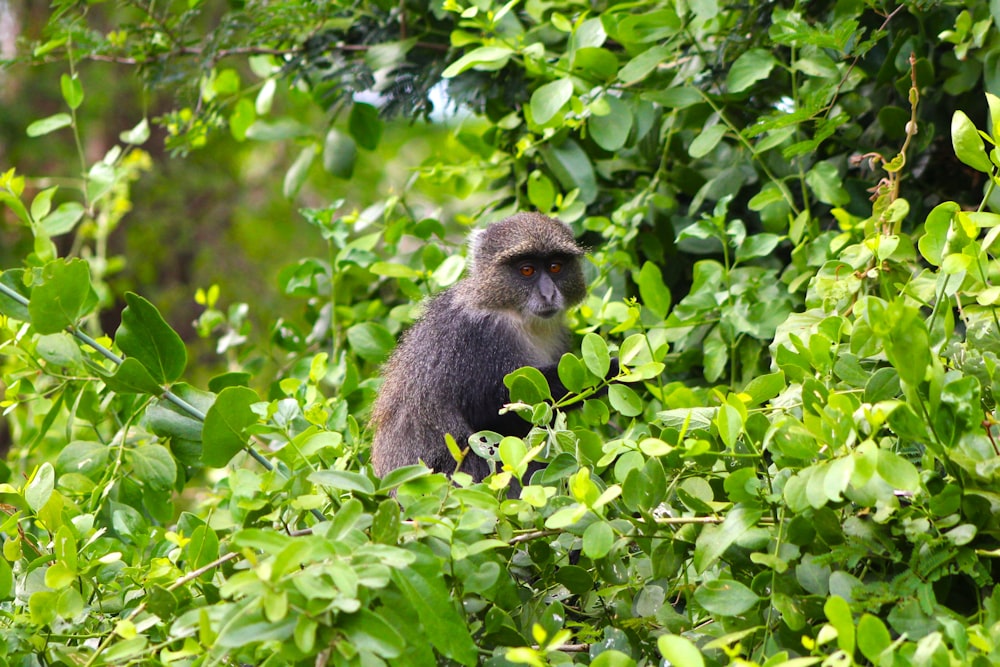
475, 245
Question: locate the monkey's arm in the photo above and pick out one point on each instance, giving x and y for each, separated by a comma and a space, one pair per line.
483, 415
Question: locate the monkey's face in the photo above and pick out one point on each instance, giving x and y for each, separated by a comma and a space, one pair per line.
527, 265
547, 285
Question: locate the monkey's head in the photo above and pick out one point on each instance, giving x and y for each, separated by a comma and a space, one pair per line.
528, 264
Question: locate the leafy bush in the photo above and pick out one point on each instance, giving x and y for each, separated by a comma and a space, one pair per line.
797, 465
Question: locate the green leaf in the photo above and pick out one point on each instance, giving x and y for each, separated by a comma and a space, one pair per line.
908, 345
596, 356
652, 26
83, 457
16, 206
343, 480
643, 64
160, 601
59, 349
549, 98
268, 541
679, 651
825, 182
72, 90
202, 549
444, 625
572, 373
63, 219
50, 124
899, 473
730, 425
131, 377
13, 279
42, 607
42, 203
371, 341
611, 130
541, 192
242, 629
138, 135
39, 489
147, 338
401, 476
690, 419
49, 46
752, 66
769, 195
6, 580
714, 540
968, 145
882, 385
339, 154
154, 466
486, 58
707, 140
280, 130
624, 400
223, 436
715, 355
64, 547
169, 420
934, 241
576, 579
725, 597
757, 245
873, 637
600, 63
598, 539
527, 385
63, 297
394, 270
386, 522
242, 117
100, 179
449, 271
643, 372
634, 350
365, 126
613, 658
370, 632
297, 173
838, 612
226, 83
764, 387
680, 97
653, 291
572, 167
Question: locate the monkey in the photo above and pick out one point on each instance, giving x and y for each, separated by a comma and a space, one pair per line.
446, 374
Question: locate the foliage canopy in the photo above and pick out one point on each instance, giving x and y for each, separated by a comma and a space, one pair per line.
790, 210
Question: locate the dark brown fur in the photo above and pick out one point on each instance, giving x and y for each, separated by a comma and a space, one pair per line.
446, 375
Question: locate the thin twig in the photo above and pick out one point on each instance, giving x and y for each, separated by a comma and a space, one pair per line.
533, 535
194, 574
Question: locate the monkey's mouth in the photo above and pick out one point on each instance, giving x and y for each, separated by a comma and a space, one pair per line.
546, 313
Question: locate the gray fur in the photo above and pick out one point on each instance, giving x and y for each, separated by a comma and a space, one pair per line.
446, 375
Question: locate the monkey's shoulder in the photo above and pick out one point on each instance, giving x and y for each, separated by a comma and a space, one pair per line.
453, 333
456, 328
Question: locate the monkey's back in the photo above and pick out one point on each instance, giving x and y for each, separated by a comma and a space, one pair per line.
446, 376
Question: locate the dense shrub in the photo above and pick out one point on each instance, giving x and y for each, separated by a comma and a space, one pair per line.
793, 256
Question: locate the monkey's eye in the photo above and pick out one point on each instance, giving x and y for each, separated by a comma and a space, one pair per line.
555, 267
527, 270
